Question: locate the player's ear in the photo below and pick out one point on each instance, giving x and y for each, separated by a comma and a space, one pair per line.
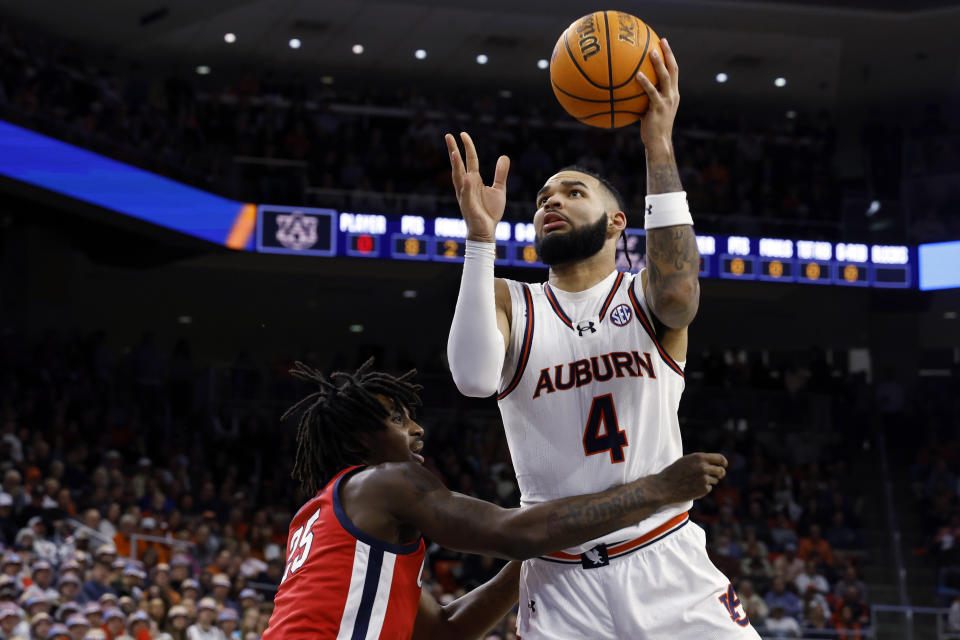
617, 222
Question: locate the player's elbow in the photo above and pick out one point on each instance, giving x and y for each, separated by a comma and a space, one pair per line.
676, 306
472, 385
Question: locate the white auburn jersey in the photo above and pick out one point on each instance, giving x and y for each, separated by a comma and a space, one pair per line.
588, 396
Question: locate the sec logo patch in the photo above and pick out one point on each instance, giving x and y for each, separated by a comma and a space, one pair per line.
621, 315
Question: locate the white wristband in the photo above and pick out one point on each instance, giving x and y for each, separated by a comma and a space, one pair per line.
666, 210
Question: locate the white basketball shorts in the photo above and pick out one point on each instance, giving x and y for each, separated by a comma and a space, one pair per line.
663, 589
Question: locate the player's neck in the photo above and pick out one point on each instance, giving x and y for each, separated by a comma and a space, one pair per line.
582, 274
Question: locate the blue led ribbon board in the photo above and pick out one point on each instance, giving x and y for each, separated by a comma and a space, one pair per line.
62, 168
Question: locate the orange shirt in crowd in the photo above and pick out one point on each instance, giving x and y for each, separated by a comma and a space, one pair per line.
821, 547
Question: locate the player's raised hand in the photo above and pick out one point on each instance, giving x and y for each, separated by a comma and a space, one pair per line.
482, 206
656, 125
693, 476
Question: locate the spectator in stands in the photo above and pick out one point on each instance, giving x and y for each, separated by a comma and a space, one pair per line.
39, 626
816, 625
69, 588
220, 587
12, 624
8, 528
114, 623
847, 620
753, 605
178, 622
780, 596
811, 577
783, 533
814, 543
780, 625
42, 577
204, 628
857, 608
77, 626
788, 565
229, 623
121, 540
848, 581
94, 614
840, 535
138, 625
98, 584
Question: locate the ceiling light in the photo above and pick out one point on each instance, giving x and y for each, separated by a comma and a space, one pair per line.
482, 58
203, 70
229, 38
506, 93
873, 208
722, 77
358, 49
410, 293
791, 114
542, 63
326, 79
420, 54
780, 82
295, 43
356, 328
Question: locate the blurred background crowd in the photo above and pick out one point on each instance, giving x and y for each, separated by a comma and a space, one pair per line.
148, 494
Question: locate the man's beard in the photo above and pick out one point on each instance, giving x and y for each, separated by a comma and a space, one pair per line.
576, 244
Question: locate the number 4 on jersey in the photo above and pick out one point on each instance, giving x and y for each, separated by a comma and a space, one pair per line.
613, 439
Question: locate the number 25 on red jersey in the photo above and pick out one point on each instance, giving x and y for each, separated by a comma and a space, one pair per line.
301, 540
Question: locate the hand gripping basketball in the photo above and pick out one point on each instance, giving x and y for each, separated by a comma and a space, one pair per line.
656, 125
482, 206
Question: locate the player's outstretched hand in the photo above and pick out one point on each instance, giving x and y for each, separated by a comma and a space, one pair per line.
482, 206
693, 476
656, 125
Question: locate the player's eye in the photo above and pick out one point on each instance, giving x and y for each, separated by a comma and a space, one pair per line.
398, 419
573, 191
541, 201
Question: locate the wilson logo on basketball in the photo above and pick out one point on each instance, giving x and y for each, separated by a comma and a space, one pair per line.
621, 315
589, 44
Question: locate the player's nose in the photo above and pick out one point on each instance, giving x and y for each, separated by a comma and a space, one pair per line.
416, 429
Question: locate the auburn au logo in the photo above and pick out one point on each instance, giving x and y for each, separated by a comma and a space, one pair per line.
731, 602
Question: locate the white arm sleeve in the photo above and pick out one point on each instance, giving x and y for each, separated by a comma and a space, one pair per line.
475, 349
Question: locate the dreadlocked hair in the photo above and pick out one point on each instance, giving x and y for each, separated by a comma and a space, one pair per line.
336, 416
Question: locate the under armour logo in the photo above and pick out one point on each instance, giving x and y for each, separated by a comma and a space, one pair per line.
532, 605
649, 209
585, 326
593, 556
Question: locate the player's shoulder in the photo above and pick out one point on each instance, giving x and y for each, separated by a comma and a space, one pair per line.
391, 481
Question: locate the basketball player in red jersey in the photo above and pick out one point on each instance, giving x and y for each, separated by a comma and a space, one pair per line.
588, 368
354, 551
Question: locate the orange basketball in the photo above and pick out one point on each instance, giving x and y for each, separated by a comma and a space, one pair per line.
594, 66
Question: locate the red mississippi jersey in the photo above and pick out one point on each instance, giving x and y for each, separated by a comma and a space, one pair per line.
340, 582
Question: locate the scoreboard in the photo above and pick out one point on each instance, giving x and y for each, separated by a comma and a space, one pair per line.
331, 233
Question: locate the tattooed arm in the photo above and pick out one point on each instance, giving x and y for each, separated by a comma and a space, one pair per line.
416, 497
673, 260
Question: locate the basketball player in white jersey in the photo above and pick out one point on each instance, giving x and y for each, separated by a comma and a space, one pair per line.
588, 371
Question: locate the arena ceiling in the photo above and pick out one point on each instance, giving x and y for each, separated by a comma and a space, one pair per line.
834, 55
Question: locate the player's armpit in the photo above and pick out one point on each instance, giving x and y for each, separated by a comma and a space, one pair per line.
504, 309
471, 615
